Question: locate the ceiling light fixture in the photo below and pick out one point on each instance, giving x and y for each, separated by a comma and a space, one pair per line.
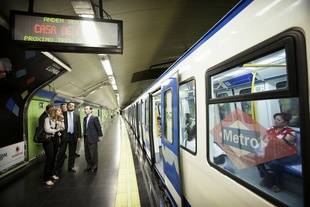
56, 60
87, 15
82, 7
106, 65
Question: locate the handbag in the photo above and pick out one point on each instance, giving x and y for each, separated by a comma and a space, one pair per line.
41, 136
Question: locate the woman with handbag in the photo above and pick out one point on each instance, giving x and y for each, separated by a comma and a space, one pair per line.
59, 122
51, 127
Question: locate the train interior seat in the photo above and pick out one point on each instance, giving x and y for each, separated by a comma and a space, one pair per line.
295, 168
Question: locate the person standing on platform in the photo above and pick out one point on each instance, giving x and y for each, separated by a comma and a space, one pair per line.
64, 109
92, 135
48, 148
61, 155
73, 133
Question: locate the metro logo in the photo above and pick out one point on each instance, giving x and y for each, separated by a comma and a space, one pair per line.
243, 139
246, 142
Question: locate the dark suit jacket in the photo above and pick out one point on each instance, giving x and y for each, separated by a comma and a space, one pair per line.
42, 119
93, 131
76, 125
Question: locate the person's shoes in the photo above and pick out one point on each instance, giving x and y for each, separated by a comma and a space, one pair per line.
72, 170
49, 183
55, 177
77, 155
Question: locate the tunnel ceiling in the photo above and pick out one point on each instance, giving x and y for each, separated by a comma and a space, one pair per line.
154, 32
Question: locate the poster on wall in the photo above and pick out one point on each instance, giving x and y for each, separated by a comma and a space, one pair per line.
11, 155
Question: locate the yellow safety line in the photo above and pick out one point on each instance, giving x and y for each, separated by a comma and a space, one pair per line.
127, 188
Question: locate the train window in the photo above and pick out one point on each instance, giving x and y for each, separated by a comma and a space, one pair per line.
156, 102
146, 113
255, 130
168, 122
262, 150
256, 75
224, 108
146, 129
246, 105
287, 106
282, 84
156, 117
187, 114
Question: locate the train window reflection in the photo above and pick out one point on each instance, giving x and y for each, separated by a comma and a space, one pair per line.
287, 106
168, 122
187, 114
246, 105
262, 150
146, 129
156, 102
255, 75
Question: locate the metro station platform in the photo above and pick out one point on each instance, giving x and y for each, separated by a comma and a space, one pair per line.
123, 178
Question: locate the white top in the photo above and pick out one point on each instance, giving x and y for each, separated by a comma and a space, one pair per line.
52, 126
70, 122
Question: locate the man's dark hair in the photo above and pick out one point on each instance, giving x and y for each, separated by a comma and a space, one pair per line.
285, 116
48, 107
91, 108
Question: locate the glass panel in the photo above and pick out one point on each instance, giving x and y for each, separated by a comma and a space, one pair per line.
168, 116
146, 129
142, 122
255, 75
261, 149
157, 127
287, 106
246, 105
187, 112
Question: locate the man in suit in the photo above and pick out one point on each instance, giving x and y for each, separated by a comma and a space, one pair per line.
92, 135
61, 155
72, 133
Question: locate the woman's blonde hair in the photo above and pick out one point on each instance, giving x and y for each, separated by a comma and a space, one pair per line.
54, 114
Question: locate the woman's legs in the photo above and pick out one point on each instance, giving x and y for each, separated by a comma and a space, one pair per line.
49, 161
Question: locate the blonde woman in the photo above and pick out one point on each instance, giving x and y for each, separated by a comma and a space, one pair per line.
52, 126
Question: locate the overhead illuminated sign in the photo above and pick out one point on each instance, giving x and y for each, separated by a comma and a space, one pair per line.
48, 32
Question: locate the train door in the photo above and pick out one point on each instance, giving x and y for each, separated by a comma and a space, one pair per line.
156, 133
136, 121
147, 142
141, 114
170, 139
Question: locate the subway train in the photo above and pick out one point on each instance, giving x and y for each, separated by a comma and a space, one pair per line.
209, 126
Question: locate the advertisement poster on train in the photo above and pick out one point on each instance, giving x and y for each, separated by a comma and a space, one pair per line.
246, 142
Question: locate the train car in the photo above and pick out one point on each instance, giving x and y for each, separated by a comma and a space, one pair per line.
227, 124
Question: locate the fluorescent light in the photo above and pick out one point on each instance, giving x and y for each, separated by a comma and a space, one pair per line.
112, 80
82, 7
92, 92
114, 86
107, 65
117, 98
56, 60
87, 15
